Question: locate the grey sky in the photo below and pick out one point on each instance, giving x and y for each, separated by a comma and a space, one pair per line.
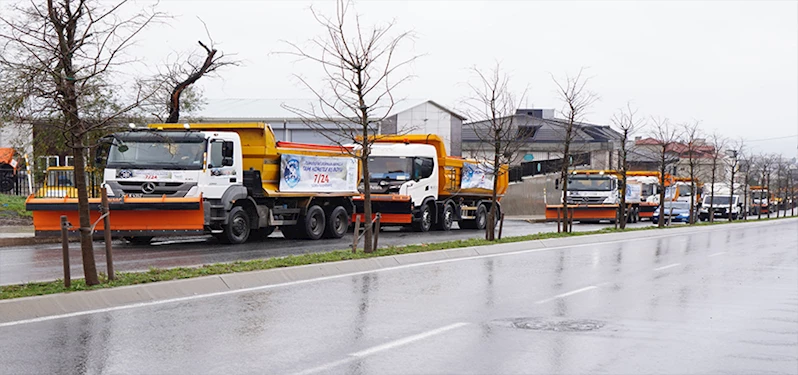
731, 65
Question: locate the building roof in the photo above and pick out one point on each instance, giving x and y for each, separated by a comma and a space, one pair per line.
547, 130
683, 150
403, 107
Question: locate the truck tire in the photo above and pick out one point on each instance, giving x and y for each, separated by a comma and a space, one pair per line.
424, 223
237, 229
337, 223
446, 219
480, 222
6, 185
311, 225
261, 234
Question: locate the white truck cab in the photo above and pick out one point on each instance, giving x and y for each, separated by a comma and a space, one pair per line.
405, 169
173, 164
593, 189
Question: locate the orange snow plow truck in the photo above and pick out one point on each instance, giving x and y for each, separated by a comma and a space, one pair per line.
414, 182
234, 181
595, 195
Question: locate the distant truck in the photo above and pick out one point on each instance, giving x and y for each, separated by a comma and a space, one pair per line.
720, 203
414, 182
595, 195
234, 181
761, 200
8, 169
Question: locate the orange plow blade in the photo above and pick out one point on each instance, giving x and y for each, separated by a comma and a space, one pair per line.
583, 212
129, 216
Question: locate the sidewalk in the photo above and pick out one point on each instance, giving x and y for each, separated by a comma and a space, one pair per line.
527, 218
22, 235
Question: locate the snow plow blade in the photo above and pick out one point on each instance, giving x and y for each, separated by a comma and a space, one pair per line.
129, 216
393, 209
589, 212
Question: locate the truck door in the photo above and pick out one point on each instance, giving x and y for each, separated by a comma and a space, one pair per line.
223, 168
425, 177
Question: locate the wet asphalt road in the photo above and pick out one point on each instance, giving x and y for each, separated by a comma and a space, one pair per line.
700, 300
44, 262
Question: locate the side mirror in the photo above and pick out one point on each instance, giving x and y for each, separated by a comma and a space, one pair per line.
227, 162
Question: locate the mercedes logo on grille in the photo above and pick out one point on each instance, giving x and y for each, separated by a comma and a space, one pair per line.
148, 188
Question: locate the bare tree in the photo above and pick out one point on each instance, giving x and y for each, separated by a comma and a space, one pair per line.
173, 84
493, 106
764, 165
736, 153
57, 67
692, 135
779, 166
718, 145
361, 70
624, 120
664, 135
576, 101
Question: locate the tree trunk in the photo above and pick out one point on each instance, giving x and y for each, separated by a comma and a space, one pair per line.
662, 190
490, 233
622, 217
767, 197
564, 177
692, 191
364, 159
711, 210
731, 195
86, 245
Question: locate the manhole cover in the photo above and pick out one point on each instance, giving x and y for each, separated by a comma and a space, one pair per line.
577, 325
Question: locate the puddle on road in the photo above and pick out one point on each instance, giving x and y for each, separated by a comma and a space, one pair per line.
553, 325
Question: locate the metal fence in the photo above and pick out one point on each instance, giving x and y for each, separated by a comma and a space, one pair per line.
52, 184
533, 168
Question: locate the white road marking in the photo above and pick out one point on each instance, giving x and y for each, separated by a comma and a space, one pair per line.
678, 232
716, 254
379, 348
566, 294
407, 340
668, 266
326, 366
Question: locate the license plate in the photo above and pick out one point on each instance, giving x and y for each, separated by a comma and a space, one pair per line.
134, 195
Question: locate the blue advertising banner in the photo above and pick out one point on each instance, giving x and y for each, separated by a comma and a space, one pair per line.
303, 173
476, 176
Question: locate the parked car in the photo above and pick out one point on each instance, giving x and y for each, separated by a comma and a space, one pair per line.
677, 211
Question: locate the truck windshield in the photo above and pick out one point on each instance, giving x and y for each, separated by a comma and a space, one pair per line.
685, 190
759, 195
581, 183
390, 168
157, 155
718, 200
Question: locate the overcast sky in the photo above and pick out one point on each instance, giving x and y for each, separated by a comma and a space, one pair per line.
733, 66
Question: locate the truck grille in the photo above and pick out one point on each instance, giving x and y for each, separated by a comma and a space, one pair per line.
586, 200
150, 188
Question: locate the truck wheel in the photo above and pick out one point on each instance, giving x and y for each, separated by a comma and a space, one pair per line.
425, 221
261, 234
311, 225
337, 223
446, 219
6, 185
237, 229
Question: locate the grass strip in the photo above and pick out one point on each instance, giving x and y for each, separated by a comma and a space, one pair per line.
158, 274
12, 205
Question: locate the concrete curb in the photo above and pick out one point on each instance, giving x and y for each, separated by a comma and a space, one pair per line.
27, 241
14, 310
